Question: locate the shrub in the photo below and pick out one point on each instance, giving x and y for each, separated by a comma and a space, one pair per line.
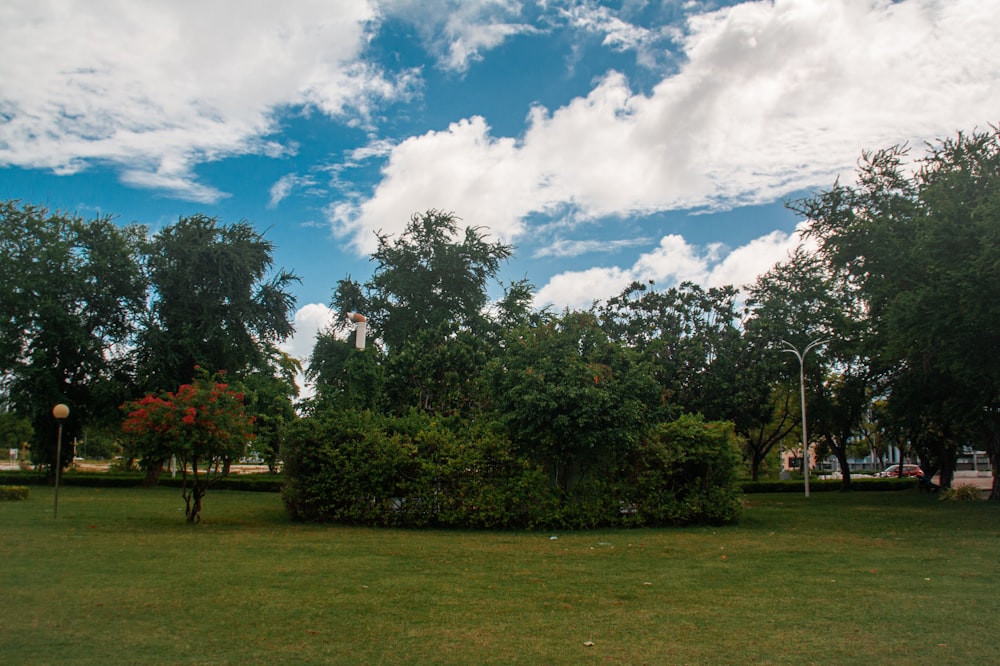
962, 493
415, 471
418, 470
685, 473
13, 493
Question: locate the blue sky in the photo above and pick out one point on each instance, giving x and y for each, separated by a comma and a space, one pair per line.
606, 141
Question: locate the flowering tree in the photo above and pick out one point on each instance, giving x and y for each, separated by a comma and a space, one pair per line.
204, 424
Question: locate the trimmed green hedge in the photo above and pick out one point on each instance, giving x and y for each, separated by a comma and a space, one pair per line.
270, 483
827, 485
418, 471
13, 493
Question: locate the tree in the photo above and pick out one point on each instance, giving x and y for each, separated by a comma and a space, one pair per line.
804, 300
15, 432
204, 424
922, 247
270, 392
70, 290
704, 358
761, 434
214, 304
346, 378
426, 306
429, 276
570, 398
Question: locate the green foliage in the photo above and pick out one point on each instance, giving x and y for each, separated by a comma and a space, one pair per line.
685, 473
268, 397
14, 493
70, 291
570, 398
921, 247
346, 378
419, 470
429, 276
215, 305
430, 328
14, 431
439, 371
360, 468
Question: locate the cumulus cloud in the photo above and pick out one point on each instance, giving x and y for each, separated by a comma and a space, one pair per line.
673, 261
159, 87
310, 319
771, 98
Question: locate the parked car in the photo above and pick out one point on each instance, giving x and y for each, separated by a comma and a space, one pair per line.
908, 470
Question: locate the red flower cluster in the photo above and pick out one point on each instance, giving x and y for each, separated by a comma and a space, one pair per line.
201, 420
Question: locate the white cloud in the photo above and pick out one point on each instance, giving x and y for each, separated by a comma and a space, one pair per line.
618, 34
772, 98
158, 87
310, 319
459, 31
448, 171
285, 185
575, 248
673, 261
579, 289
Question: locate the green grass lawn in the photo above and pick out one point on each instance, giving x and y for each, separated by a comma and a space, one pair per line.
119, 578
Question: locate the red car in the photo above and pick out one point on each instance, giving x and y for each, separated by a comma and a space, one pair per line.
908, 470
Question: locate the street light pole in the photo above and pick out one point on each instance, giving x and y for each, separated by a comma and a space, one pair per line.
60, 412
789, 347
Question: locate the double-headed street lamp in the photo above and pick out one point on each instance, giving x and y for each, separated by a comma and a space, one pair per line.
60, 412
789, 347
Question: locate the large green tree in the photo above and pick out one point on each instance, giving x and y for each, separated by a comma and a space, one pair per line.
570, 398
432, 274
216, 303
431, 330
70, 290
704, 358
923, 246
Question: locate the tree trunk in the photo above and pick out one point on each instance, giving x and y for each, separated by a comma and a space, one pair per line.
192, 502
845, 470
994, 459
152, 475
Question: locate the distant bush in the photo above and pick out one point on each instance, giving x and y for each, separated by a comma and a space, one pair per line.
962, 493
13, 493
419, 471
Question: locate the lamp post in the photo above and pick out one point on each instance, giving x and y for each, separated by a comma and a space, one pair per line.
789, 347
60, 412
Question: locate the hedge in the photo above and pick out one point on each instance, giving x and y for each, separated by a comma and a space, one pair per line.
13, 493
245, 482
863, 483
420, 471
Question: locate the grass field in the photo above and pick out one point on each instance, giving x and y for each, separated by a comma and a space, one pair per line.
863, 578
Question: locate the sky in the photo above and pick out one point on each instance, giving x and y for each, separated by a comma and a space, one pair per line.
606, 141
